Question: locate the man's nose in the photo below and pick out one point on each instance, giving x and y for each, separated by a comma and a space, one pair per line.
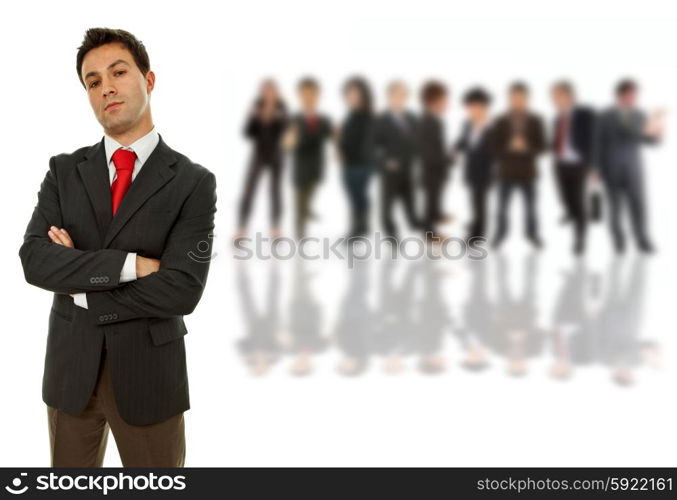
108, 90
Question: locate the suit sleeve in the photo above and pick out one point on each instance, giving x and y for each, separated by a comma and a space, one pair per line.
540, 142
176, 288
58, 268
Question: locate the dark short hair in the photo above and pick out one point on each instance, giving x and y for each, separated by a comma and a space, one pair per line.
362, 86
564, 86
518, 86
96, 37
625, 85
477, 95
432, 91
308, 82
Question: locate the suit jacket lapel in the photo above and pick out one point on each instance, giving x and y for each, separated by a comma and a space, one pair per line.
95, 176
154, 174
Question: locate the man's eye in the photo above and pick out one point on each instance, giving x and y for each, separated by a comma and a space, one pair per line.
121, 72
93, 84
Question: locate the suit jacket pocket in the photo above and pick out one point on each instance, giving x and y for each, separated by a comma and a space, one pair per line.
165, 330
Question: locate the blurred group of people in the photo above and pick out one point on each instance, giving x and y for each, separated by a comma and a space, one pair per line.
408, 152
595, 320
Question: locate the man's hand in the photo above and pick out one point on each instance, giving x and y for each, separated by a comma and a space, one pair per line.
146, 266
60, 237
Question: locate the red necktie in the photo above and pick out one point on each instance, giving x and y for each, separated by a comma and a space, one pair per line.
123, 159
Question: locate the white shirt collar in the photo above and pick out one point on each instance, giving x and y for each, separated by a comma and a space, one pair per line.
143, 146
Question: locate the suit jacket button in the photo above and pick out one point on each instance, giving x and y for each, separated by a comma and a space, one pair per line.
115, 316
92, 280
106, 279
101, 318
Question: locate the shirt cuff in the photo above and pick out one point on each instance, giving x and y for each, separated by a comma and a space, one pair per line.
128, 272
80, 300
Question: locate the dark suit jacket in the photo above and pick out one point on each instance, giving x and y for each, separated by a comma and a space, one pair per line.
392, 142
581, 133
435, 159
518, 166
479, 159
168, 214
309, 150
619, 142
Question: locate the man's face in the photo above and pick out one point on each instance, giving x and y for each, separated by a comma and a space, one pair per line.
477, 112
440, 105
118, 92
518, 101
628, 99
561, 99
309, 95
397, 97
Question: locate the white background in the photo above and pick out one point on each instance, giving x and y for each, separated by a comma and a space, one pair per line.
209, 58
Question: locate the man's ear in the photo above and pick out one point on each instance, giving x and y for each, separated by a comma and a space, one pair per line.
150, 81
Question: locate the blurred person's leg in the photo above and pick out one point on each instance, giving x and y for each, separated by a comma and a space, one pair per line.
528, 189
407, 193
502, 224
615, 195
388, 193
253, 174
275, 193
637, 208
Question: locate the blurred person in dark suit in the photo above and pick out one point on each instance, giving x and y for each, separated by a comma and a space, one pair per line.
395, 151
621, 132
435, 159
355, 152
475, 143
307, 136
518, 139
264, 128
572, 148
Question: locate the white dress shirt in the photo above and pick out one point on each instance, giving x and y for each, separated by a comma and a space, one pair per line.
569, 155
143, 147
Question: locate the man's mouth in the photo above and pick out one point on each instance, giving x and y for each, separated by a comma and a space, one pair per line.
112, 105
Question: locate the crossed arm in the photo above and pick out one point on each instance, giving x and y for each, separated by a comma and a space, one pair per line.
169, 287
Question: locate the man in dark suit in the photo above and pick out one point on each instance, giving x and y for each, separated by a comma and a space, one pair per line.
306, 137
120, 235
395, 150
475, 144
572, 148
518, 140
621, 131
435, 159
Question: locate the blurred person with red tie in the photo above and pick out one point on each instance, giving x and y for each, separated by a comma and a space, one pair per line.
118, 235
306, 138
573, 142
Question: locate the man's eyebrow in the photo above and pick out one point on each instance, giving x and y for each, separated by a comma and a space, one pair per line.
111, 65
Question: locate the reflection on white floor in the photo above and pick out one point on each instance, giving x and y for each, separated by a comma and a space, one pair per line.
487, 318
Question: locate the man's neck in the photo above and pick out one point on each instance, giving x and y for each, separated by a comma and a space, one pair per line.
135, 133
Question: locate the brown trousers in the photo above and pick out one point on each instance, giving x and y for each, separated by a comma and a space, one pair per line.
81, 441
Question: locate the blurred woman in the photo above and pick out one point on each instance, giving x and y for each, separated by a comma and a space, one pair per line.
264, 128
355, 150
